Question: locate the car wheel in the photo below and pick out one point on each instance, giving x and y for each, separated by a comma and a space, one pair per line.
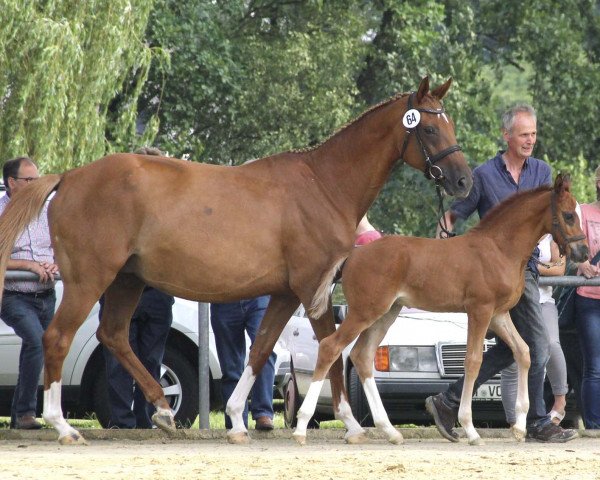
291, 402
178, 380
358, 400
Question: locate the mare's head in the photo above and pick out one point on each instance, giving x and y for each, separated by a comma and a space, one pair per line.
566, 229
430, 144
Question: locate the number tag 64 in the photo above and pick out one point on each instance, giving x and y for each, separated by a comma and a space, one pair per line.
411, 118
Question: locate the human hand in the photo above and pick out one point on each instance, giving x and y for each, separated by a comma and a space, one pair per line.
588, 270
44, 270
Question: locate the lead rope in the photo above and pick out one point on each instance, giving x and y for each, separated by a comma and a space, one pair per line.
444, 232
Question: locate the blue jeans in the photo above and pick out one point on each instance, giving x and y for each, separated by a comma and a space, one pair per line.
229, 322
29, 317
587, 320
527, 318
148, 334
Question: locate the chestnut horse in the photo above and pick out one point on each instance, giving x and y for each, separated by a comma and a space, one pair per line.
480, 273
281, 225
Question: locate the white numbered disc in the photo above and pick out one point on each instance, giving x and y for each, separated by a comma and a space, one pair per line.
411, 118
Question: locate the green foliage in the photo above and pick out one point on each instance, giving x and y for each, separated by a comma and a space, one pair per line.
63, 63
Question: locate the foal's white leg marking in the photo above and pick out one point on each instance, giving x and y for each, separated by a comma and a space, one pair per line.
53, 415
522, 403
237, 402
465, 416
355, 433
307, 410
380, 417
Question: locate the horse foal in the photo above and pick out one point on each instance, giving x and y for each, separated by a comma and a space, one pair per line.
480, 273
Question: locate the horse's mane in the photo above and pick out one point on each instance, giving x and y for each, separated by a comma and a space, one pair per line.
510, 202
347, 124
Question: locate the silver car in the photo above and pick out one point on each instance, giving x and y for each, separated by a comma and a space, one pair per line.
84, 375
421, 354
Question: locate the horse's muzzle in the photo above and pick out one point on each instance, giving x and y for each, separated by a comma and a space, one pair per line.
578, 252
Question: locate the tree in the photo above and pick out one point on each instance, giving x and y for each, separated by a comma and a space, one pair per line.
63, 64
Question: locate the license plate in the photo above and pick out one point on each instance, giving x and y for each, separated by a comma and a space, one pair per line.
487, 393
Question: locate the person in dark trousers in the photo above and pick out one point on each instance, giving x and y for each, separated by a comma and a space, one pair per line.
509, 172
230, 323
148, 334
28, 306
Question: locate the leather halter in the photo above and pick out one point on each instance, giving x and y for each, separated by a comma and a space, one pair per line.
432, 171
558, 229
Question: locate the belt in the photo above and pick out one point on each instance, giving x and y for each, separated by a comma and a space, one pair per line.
40, 294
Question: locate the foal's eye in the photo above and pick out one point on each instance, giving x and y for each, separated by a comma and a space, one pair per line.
429, 130
569, 217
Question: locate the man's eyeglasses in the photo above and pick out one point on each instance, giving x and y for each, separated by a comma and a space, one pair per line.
26, 179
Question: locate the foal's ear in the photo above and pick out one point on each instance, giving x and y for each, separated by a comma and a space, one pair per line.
423, 89
562, 183
440, 92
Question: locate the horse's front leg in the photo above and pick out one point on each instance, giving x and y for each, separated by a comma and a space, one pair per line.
505, 329
323, 327
278, 313
476, 334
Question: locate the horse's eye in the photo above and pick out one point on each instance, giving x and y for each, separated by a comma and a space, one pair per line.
429, 130
569, 217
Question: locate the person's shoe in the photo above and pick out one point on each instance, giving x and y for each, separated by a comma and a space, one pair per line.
27, 422
551, 433
445, 417
264, 423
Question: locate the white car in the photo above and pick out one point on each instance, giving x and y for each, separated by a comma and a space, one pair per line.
84, 376
421, 354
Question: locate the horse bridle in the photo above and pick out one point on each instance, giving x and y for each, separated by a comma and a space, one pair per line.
558, 229
432, 171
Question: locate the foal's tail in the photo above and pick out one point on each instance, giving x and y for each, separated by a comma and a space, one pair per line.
23, 207
321, 297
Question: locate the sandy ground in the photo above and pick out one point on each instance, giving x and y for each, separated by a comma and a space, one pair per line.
280, 458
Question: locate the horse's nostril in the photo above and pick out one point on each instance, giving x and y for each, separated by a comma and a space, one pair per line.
462, 182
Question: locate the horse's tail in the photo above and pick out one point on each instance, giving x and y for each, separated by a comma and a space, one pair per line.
23, 207
320, 301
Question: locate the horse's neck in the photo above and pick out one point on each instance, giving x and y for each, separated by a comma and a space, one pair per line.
356, 162
517, 230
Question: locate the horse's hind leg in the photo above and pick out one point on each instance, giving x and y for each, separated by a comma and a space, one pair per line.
120, 300
505, 329
323, 327
362, 356
75, 305
278, 313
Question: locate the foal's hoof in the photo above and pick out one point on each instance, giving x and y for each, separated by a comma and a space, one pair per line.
476, 442
164, 421
238, 438
73, 438
518, 434
301, 439
356, 438
397, 439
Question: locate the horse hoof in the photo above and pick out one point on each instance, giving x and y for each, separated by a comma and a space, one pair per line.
164, 421
397, 439
73, 438
518, 434
238, 438
356, 439
476, 442
301, 439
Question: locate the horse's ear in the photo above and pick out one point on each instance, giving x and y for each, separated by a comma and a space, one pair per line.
440, 92
562, 183
423, 89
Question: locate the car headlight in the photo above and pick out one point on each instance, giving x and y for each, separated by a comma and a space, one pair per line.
406, 359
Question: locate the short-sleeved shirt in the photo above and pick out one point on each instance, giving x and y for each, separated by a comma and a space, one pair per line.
493, 183
590, 224
32, 244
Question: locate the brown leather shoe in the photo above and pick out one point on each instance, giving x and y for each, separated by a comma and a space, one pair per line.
27, 422
264, 423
